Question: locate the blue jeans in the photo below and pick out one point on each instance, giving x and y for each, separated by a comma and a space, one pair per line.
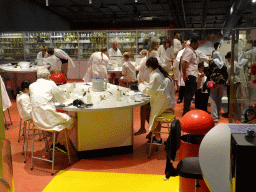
216, 96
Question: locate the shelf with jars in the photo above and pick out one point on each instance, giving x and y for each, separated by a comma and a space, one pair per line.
11, 46
90, 42
33, 43
77, 44
126, 41
67, 41
145, 38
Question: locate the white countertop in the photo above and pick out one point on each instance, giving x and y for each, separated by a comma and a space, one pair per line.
109, 102
114, 70
10, 68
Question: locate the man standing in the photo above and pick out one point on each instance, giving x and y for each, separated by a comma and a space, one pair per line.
114, 52
189, 65
65, 59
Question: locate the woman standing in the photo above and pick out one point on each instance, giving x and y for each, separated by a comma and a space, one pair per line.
162, 95
153, 52
98, 65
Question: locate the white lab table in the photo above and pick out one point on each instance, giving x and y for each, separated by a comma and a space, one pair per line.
17, 75
108, 123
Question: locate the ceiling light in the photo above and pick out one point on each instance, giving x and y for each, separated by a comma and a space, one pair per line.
254, 1
90, 1
136, 1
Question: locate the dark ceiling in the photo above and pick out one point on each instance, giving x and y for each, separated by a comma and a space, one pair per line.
147, 13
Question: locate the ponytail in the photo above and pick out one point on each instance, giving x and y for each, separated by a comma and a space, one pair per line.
103, 50
153, 63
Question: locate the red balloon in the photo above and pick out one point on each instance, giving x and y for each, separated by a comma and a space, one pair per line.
59, 78
197, 122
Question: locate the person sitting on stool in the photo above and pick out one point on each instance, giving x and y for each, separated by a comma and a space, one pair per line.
128, 71
43, 94
23, 101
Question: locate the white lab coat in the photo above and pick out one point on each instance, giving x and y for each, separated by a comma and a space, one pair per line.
178, 73
162, 95
24, 105
112, 52
176, 45
144, 73
40, 55
98, 66
43, 94
129, 71
5, 97
155, 54
63, 55
54, 62
165, 55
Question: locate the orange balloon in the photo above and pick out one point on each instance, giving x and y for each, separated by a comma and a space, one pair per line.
59, 78
197, 122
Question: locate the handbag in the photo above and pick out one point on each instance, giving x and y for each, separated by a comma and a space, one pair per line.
209, 84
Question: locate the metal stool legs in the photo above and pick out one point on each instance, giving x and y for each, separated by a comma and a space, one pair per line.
5, 119
20, 129
153, 132
47, 148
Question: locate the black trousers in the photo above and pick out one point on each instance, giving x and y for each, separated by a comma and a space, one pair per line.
201, 100
190, 90
181, 93
228, 93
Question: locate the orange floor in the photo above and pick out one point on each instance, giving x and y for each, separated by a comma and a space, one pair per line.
37, 180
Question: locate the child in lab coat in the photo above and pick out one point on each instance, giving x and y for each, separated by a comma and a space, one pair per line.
128, 70
162, 95
23, 101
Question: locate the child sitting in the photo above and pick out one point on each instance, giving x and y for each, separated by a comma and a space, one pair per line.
128, 71
23, 101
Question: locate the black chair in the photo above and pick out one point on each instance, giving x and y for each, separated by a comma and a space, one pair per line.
188, 167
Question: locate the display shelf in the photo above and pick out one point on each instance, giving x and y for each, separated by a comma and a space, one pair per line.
79, 44
11, 46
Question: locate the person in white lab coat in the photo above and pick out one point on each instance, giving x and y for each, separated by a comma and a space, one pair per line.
42, 54
65, 59
143, 74
23, 101
114, 52
162, 95
176, 43
166, 54
128, 70
178, 73
6, 102
53, 61
43, 94
98, 63
153, 51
